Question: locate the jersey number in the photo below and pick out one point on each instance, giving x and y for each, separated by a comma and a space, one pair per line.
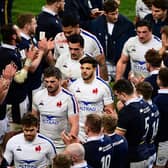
106, 161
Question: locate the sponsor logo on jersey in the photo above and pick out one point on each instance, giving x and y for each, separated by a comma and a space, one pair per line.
87, 106
105, 148
27, 164
50, 119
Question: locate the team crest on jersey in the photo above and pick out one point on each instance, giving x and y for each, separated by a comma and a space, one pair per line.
38, 148
95, 91
59, 104
132, 48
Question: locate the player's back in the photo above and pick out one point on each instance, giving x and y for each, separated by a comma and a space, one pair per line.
154, 122
133, 118
120, 150
99, 152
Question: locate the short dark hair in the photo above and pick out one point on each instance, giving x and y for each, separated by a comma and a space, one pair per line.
29, 120
94, 122
23, 19
7, 32
89, 60
159, 4
52, 71
110, 6
153, 57
123, 85
163, 76
148, 3
50, 2
76, 38
62, 160
143, 22
70, 19
145, 89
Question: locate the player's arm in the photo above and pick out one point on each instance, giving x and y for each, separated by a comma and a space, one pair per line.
35, 113
73, 116
121, 66
74, 124
5, 80
109, 109
51, 152
8, 154
103, 68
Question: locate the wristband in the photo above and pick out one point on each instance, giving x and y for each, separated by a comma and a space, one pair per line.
28, 62
20, 76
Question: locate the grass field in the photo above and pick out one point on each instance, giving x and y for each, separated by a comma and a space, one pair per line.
21, 6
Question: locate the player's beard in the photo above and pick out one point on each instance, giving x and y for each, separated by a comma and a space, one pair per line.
52, 90
87, 77
29, 138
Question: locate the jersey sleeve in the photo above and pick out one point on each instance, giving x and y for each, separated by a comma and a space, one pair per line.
108, 97
51, 152
8, 154
56, 52
35, 102
123, 120
125, 50
98, 49
73, 108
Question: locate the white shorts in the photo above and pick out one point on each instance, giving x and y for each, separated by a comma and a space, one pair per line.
141, 164
162, 154
151, 160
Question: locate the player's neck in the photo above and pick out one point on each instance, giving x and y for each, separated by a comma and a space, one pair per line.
54, 93
92, 134
90, 80
132, 96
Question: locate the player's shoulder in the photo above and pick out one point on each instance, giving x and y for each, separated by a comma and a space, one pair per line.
45, 140
16, 138
60, 37
156, 39
76, 83
117, 139
101, 82
87, 35
67, 92
133, 39
40, 93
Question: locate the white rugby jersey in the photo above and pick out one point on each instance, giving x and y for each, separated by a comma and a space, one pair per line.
36, 154
141, 9
54, 113
92, 45
69, 68
91, 97
136, 50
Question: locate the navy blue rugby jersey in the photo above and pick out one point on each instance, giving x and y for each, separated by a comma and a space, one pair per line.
99, 152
